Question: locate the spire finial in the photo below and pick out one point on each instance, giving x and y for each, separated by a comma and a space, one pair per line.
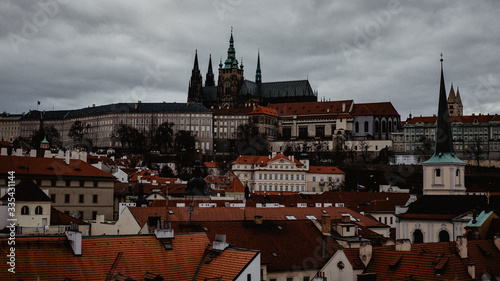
441, 57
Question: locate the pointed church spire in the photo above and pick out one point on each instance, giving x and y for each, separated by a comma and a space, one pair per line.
231, 61
195, 83
258, 73
210, 80
195, 66
451, 95
444, 139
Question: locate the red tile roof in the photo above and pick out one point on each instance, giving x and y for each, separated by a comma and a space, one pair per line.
60, 218
374, 109
50, 167
297, 245
264, 110
263, 160
203, 214
330, 108
324, 170
430, 261
211, 164
51, 258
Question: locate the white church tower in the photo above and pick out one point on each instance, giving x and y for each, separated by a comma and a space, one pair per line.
443, 172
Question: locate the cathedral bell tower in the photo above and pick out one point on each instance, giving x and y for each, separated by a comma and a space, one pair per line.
195, 91
230, 78
443, 172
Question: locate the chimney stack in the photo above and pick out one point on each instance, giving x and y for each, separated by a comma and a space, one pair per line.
496, 240
75, 240
67, 156
471, 268
365, 252
346, 218
257, 219
462, 246
220, 243
403, 245
326, 223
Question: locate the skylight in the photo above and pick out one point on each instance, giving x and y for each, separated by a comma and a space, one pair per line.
291, 217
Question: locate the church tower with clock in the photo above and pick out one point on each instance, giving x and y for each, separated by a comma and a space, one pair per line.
230, 78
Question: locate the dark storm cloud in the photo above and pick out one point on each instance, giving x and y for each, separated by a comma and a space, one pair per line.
73, 54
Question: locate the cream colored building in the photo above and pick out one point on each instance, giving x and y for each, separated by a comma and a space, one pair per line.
102, 121
9, 126
74, 186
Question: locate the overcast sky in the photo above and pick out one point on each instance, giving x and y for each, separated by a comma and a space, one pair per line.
72, 54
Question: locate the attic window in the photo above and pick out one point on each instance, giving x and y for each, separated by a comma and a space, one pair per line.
311, 217
23, 168
168, 246
78, 169
274, 254
291, 217
171, 212
205, 229
395, 262
279, 227
50, 168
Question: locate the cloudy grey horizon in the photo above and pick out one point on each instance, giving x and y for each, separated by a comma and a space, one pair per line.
73, 54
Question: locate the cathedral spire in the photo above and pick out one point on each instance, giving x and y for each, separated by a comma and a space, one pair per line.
195, 66
231, 61
210, 80
444, 139
258, 73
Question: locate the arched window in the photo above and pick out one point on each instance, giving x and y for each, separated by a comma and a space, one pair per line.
356, 127
25, 210
366, 126
390, 126
437, 172
444, 236
384, 128
376, 126
418, 236
457, 177
38, 210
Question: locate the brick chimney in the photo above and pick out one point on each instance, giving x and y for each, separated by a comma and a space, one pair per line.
462, 246
326, 223
365, 252
257, 219
346, 218
403, 245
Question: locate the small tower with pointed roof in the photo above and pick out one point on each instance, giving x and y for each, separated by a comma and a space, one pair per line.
443, 172
195, 90
210, 79
258, 73
455, 107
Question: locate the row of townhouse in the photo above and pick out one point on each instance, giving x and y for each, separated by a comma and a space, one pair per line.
284, 125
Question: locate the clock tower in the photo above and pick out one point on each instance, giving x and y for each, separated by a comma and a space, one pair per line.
230, 78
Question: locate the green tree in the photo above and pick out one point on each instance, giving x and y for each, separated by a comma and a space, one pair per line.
77, 134
50, 132
250, 142
130, 137
164, 137
475, 150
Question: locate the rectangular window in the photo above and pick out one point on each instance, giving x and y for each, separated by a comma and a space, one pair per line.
80, 198
53, 198
94, 198
303, 132
287, 132
66, 198
94, 215
320, 131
